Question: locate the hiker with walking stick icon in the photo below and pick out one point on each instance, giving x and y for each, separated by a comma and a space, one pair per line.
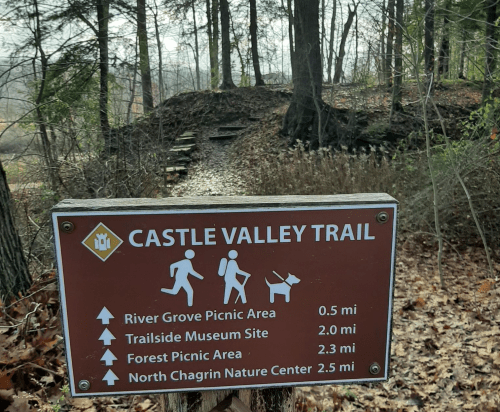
229, 270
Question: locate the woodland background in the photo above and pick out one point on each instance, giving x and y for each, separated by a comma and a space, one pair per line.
395, 96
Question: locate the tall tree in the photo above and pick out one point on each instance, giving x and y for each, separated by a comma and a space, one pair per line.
429, 44
291, 42
196, 48
142, 35
382, 66
340, 58
330, 45
227, 78
490, 46
398, 58
14, 274
304, 118
253, 36
102, 37
214, 56
49, 157
389, 43
444, 50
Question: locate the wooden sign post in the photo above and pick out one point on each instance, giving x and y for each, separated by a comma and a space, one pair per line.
225, 293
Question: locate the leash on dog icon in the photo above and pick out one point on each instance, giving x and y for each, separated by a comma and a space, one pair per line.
282, 288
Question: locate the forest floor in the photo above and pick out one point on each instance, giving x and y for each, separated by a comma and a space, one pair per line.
445, 351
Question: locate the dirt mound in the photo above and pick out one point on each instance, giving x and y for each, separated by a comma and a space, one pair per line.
190, 111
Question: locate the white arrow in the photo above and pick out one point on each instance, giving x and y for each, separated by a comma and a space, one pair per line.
106, 337
110, 377
108, 358
104, 316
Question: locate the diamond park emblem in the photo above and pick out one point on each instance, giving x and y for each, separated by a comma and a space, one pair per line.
102, 242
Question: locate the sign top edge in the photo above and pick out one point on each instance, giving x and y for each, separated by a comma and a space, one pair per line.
201, 202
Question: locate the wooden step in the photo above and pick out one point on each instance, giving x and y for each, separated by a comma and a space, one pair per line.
189, 134
223, 136
175, 169
232, 128
184, 140
186, 148
178, 158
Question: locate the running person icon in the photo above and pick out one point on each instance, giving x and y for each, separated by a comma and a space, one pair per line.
231, 270
184, 269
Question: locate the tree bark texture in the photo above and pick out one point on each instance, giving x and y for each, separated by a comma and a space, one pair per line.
390, 40
196, 49
302, 118
330, 46
398, 58
14, 274
461, 74
215, 41
102, 36
490, 46
257, 400
444, 50
142, 34
340, 58
290, 37
253, 36
381, 76
323, 35
429, 43
48, 156
227, 78
161, 86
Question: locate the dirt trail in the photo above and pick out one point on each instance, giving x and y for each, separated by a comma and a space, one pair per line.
215, 174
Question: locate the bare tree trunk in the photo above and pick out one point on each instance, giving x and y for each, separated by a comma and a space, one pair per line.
215, 41
490, 46
461, 74
263, 400
355, 68
102, 36
302, 119
389, 44
196, 48
227, 78
429, 44
253, 36
340, 58
49, 158
160, 55
290, 37
210, 41
398, 58
381, 77
14, 274
142, 34
323, 36
332, 35
444, 50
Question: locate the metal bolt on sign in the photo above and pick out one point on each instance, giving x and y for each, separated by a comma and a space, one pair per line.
84, 385
67, 227
383, 217
375, 368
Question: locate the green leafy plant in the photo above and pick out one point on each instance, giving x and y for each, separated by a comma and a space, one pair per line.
56, 407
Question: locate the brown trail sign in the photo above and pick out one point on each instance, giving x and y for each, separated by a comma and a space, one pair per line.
170, 295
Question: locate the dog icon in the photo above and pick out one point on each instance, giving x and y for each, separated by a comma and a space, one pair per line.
282, 288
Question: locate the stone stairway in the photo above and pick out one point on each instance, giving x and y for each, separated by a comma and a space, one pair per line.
178, 156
